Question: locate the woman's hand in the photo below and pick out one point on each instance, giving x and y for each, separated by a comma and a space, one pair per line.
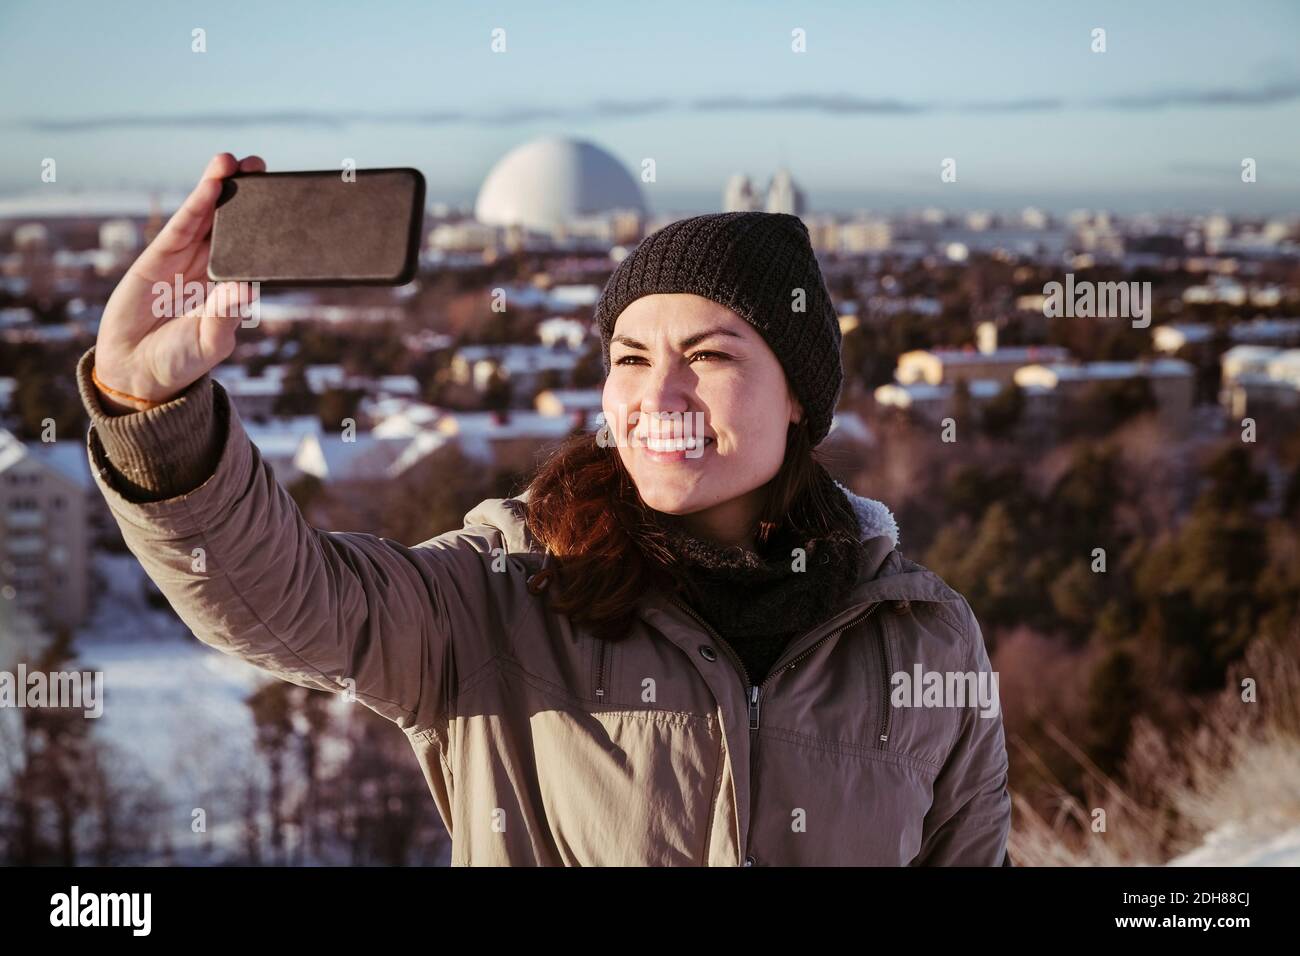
140, 354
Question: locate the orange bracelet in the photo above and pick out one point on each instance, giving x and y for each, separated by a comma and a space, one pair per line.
148, 403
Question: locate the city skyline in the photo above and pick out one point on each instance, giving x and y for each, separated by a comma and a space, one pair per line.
1158, 122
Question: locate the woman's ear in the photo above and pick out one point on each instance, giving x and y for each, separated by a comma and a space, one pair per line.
796, 410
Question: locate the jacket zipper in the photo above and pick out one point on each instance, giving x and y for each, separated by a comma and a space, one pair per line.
751, 689
887, 670
754, 691
600, 672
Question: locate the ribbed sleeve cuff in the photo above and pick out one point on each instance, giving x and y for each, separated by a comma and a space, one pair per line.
162, 452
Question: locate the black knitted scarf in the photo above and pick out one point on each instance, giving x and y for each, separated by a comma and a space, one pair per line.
757, 600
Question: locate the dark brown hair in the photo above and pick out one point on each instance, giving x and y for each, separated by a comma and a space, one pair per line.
607, 550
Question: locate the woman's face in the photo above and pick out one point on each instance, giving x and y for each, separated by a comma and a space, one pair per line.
697, 402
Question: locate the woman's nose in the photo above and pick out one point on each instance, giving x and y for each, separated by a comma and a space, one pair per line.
665, 390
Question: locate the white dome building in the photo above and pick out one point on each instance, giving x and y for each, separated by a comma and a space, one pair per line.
543, 184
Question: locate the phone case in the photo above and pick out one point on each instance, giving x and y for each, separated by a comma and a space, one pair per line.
313, 228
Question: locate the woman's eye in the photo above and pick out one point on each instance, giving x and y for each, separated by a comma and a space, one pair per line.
641, 359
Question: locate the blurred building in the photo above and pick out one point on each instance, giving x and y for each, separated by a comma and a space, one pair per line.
739, 195
1255, 376
514, 441
1276, 333
46, 531
578, 404
1060, 385
281, 440
560, 332
933, 403
527, 368
865, 235
945, 366
783, 195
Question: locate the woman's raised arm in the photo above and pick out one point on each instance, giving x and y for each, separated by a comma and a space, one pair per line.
225, 543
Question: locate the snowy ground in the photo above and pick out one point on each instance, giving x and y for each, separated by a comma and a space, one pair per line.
1234, 844
174, 708
159, 679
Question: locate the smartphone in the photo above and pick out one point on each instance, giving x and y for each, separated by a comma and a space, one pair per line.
316, 228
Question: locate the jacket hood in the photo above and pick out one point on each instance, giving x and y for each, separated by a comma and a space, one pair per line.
877, 528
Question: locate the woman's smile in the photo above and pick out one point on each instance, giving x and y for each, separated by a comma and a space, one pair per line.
673, 449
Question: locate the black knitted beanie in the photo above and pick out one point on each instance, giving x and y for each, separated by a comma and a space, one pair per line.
752, 263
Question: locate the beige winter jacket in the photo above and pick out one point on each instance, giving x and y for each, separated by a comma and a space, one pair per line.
544, 745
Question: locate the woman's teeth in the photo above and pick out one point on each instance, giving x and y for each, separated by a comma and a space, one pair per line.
675, 444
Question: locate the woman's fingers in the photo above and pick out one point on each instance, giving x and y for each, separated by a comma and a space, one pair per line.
189, 224
195, 256
230, 301
224, 310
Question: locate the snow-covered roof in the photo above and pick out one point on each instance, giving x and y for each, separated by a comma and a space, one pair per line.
368, 457
849, 426
1248, 354
319, 378
11, 450
518, 424
574, 399
1174, 334
476, 431
401, 416
1049, 374
517, 358
1264, 330
282, 436
561, 329
903, 396
983, 387
574, 296
1005, 355
251, 387
397, 385
1285, 367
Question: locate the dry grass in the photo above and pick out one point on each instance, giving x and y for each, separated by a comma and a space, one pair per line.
1240, 764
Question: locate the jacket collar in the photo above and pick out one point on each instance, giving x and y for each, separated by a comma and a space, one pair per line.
885, 575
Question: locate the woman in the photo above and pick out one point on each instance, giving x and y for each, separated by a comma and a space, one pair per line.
677, 647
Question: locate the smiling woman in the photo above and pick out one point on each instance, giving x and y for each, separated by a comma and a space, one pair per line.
649, 657
675, 356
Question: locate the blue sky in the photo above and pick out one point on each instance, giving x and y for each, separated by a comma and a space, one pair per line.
863, 119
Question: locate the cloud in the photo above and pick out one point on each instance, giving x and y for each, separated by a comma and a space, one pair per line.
1042, 104
1269, 95
808, 102
835, 104
306, 119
